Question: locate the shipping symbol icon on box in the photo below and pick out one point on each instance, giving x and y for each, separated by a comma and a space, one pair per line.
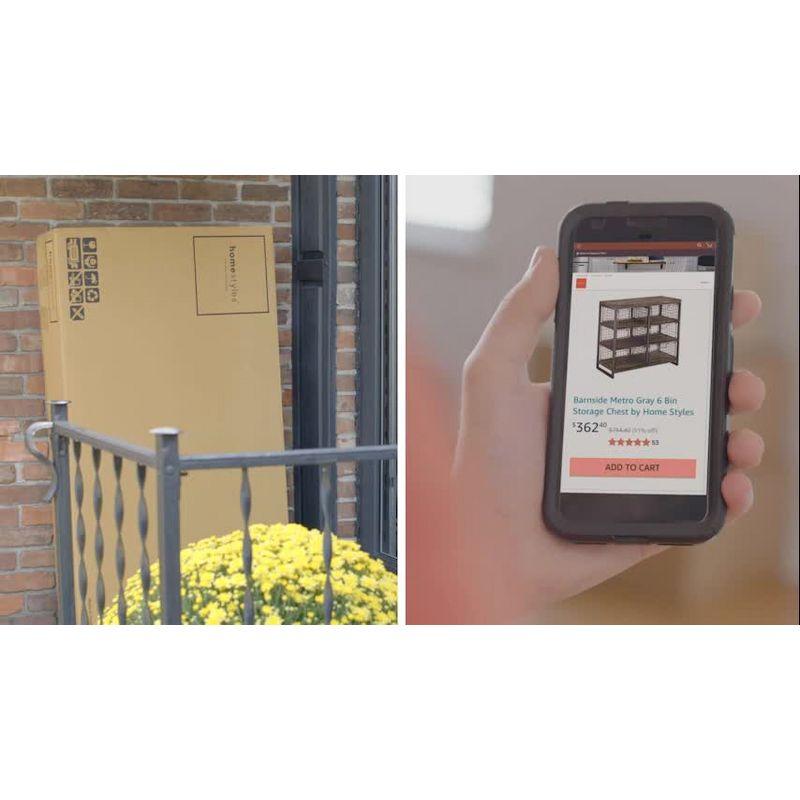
73, 253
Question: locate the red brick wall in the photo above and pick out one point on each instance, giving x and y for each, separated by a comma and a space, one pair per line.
30, 206
346, 337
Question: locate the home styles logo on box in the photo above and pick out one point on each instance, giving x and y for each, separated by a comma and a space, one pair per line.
231, 275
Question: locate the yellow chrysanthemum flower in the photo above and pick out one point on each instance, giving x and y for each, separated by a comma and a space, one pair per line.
288, 577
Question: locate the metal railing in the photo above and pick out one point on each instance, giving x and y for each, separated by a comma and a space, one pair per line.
169, 465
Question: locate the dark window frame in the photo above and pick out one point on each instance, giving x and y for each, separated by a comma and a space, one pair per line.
314, 279
377, 361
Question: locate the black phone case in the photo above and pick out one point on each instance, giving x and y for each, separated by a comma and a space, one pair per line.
722, 363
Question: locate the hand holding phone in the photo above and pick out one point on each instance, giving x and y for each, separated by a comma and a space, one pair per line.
642, 357
510, 560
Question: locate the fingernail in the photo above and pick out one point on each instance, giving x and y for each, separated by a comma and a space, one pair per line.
534, 258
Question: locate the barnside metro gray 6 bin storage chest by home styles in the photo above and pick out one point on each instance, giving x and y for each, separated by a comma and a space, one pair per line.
637, 332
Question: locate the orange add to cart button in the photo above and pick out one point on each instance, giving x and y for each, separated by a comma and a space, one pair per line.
632, 467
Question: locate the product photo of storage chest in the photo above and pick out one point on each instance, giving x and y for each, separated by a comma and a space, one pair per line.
637, 332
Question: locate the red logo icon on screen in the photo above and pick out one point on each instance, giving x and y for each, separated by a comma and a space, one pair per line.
580, 283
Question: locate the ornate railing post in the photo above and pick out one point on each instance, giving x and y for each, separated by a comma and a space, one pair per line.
65, 575
168, 480
326, 502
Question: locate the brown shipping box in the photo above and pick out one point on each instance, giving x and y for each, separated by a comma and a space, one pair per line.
168, 326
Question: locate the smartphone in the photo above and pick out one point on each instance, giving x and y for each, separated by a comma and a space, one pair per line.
642, 356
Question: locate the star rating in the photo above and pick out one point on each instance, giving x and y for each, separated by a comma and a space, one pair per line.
629, 442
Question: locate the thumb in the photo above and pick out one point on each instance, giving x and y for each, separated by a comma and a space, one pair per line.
513, 331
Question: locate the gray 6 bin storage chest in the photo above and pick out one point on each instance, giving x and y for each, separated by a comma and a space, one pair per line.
637, 332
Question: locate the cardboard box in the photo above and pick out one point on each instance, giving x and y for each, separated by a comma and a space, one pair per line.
169, 326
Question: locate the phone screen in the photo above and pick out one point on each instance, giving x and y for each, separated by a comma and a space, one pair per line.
639, 367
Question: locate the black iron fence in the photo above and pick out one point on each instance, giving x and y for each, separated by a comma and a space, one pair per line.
168, 465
